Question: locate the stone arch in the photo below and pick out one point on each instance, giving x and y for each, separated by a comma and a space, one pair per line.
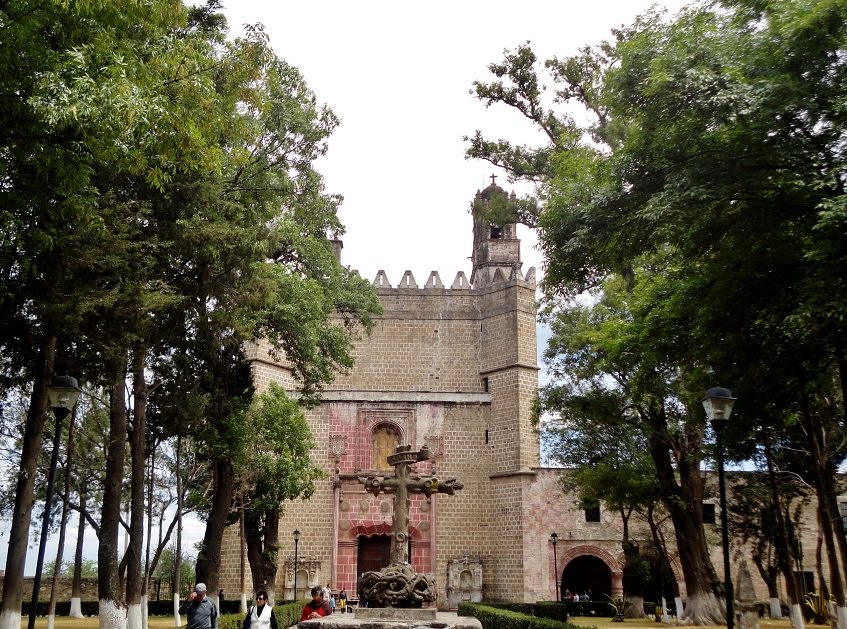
349, 545
370, 528
385, 437
611, 562
604, 555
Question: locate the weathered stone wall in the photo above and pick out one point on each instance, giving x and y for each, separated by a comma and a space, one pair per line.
89, 589
452, 368
456, 369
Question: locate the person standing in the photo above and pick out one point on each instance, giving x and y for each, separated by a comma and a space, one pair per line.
261, 615
327, 592
342, 600
202, 614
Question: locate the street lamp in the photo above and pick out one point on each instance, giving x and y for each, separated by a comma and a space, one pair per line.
554, 537
296, 535
718, 404
63, 393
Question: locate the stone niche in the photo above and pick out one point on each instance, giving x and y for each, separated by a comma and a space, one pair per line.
308, 575
464, 580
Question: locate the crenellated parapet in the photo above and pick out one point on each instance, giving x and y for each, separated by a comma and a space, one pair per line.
487, 277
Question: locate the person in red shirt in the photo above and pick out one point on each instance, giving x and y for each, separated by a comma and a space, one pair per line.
317, 607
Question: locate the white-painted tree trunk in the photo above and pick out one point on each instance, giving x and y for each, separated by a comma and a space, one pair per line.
796, 616
666, 619
679, 606
10, 619
841, 615
51, 621
244, 602
111, 616
76, 607
133, 616
144, 611
177, 617
703, 609
776, 609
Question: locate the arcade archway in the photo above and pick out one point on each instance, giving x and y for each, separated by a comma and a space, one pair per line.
589, 567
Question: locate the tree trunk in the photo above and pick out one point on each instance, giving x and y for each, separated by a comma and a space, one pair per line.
633, 575
76, 587
60, 551
176, 580
112, 606
209, 558
138, 482
783, 549
769, 575
665, 566
684, 502
820, 465
145, 588
10, 612
263, 550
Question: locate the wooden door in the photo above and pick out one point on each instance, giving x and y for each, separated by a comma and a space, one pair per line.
374, 553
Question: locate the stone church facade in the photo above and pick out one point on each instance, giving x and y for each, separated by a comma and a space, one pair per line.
454, 368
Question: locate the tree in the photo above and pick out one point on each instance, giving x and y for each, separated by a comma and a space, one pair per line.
174, 190
167, 567
611, 379
712, 174
608, 461
277, 469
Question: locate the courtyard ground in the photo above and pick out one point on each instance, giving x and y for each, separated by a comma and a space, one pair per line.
582, 621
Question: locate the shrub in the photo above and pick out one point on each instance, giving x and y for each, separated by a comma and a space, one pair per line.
496, 616
287, 615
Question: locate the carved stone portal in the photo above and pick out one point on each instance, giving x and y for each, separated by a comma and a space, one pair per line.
464, 580
399, 585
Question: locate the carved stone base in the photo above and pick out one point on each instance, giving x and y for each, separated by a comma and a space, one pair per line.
398, 585
396, 613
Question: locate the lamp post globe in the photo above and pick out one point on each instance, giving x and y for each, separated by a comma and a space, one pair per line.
63, 394
718, 404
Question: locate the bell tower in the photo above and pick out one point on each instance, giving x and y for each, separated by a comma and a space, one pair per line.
496, 248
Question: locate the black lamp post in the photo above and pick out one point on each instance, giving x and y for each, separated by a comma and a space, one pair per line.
296, 535
554, 538
63, 393
718, 404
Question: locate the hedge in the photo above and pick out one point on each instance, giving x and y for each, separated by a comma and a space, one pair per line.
504, 616
287, 615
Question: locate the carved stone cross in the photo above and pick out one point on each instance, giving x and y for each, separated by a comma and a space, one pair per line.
402, 485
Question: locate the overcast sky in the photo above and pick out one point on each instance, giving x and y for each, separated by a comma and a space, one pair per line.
398, 75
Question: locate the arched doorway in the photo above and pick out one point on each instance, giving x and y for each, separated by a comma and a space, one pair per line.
585, 573
374, 553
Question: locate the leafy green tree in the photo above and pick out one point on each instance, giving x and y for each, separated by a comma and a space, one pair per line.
710, 179
165, 570
277, 468
617, 393
608, 460
173, 167
88, 569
